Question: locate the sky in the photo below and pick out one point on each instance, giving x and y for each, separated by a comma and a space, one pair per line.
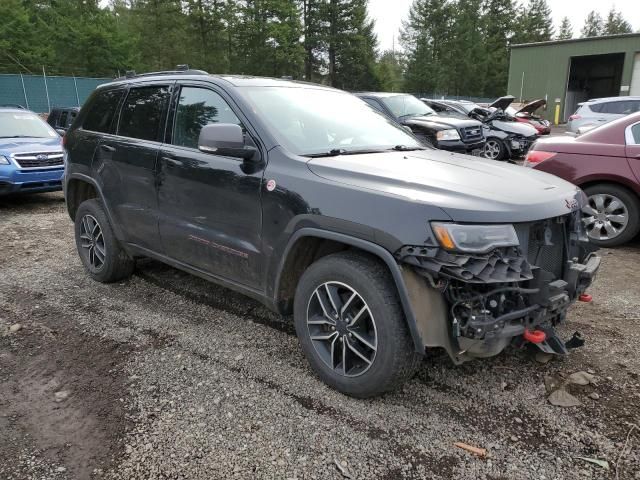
389, 14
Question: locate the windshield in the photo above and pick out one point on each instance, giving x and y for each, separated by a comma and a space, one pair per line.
308, 121
24, 124
407, 106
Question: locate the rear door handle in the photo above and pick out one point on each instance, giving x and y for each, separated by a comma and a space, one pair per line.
107, 148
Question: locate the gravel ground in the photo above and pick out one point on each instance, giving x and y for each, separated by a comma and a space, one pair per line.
167, 376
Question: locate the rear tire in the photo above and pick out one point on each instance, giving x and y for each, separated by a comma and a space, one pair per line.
602, 214
101, 254
378, 348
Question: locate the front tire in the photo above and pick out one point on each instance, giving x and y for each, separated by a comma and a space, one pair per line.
611, 216
101, 254
494, 149
351, 326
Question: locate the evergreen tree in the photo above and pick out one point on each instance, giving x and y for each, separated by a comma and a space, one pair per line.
466, 73
351, 45
592, 25
498, 19
534, 23
313, 37
389, 72
566, 30
21, 49
427, 37
616, 24
269, 38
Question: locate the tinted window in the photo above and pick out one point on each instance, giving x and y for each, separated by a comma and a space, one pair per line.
63, 119
101, 110
595, 107
198, 107
142, 112
619, 108
635, 131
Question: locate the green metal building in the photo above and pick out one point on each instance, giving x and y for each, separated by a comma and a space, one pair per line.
567, 72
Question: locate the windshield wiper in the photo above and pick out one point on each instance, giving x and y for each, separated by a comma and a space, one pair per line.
19, 136
341, 151
406, 148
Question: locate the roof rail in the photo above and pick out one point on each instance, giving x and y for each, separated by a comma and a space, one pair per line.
180, 70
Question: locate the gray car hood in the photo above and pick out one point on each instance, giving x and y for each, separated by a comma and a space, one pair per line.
468, 189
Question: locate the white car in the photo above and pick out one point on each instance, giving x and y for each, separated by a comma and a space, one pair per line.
593, 113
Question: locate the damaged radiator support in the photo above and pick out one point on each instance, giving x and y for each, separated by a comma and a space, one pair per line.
494, 297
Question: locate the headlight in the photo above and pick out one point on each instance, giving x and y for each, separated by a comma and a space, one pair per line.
451, 134
474, 238
4, 160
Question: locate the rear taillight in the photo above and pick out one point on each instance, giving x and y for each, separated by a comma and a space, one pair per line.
534, 157
575, 117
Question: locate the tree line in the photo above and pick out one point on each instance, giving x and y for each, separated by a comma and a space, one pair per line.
454, 47
461, 47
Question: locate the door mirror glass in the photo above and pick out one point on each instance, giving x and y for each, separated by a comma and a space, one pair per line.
224, 139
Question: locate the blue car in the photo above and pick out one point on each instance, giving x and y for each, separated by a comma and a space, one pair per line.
31, 153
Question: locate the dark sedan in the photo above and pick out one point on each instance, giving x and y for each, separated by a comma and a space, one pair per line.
456, 134
605, 163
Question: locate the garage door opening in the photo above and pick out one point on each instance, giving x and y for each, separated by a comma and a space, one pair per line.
593, 76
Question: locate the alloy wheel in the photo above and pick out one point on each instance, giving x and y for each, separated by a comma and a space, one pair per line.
342, 329
92, 240
492, 149
604, 216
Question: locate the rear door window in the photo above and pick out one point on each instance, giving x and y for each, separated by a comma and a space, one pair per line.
620, 107
63, 119
198, 107
101, 111
143, 112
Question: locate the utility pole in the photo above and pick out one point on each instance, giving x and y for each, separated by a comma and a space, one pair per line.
46, 89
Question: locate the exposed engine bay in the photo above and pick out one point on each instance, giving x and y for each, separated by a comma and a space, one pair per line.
510, 294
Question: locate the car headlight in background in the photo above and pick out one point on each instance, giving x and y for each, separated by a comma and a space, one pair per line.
451, 134
4, 160
474, 238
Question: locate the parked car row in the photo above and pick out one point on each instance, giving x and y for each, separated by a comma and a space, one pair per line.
508, 136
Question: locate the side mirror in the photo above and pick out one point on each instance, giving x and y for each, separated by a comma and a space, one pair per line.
61, 131
224, 139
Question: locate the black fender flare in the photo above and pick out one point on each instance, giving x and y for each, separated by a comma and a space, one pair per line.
90, 180
380, 252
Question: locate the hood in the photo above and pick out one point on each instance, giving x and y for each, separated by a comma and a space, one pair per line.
442, 122
28, 145
468, 189
518, 128
503, 102
531, 107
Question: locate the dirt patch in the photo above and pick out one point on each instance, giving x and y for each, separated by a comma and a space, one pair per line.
62, 399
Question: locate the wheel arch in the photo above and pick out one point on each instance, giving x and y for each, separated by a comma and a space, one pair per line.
307, 245
78, 188
614, 181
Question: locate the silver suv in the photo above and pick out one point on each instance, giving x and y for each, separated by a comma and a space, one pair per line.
593, 113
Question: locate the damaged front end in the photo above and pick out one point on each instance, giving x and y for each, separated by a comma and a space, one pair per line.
514, 290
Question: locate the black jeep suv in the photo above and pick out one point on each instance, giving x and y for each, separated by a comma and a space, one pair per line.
304, 198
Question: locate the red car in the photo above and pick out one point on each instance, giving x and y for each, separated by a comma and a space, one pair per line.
527, 114
605, 163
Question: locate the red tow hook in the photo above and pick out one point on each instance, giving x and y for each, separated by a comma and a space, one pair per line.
585, 297
535, 336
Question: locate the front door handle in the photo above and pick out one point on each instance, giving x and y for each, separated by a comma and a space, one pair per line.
171, 162
107, 148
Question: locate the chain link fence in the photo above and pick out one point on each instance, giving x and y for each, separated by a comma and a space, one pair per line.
41, 93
